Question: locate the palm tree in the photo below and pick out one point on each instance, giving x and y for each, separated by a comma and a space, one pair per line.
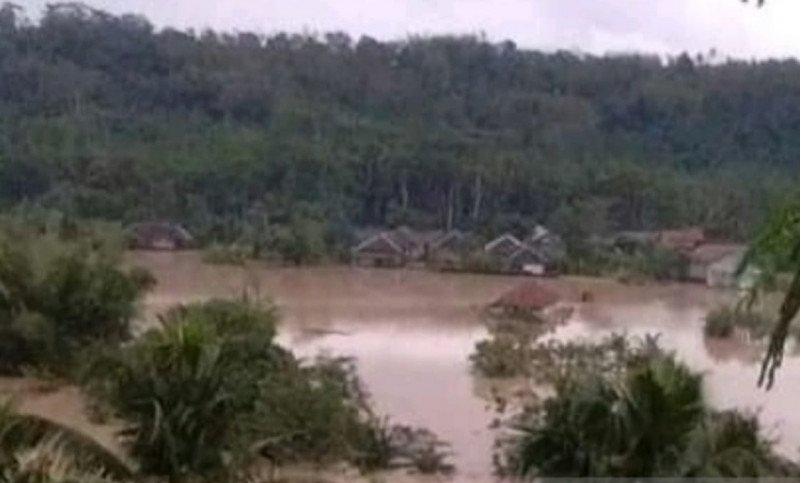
729, 445
650, 422
37, 450
598, 426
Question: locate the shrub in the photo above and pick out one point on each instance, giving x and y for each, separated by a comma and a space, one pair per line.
729, 445
186, 387
724, 321
210, 390
649, 419
59, 293
225, 255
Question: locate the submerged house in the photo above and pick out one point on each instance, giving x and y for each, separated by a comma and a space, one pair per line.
528, 298
394, 248
446, 252
717, 264
380, 250
159, 236
680, 241
548, 245
514, 256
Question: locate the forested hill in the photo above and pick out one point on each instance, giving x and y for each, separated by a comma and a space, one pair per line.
105, 116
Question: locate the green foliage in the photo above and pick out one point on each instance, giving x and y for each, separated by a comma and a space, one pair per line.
775, 249
729, 445
105, 116
61, 288
723, 322
509, 349
478, 261
645, 263
217, 254
516, 347
503, 355
210, 391
186, 387
34, 450
650, 420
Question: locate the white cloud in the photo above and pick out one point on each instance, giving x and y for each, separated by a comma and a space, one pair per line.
656, 26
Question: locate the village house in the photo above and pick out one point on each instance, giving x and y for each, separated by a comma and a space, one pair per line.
546, 244
394, 248
528, 298
503, 246
381, 249
159, 236
514, 256
447, 251
717, 265
680, 241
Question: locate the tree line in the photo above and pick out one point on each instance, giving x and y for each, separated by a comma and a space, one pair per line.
106, 116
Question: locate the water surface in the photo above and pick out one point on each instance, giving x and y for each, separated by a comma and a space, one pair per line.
411, 332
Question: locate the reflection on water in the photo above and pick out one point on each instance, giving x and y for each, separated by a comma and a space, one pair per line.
412, 331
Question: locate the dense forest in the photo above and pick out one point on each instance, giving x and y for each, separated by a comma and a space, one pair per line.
107, 117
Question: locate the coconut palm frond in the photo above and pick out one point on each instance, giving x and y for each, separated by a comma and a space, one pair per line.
776, 249
20, 434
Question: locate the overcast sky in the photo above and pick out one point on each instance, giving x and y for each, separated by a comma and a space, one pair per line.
596, 26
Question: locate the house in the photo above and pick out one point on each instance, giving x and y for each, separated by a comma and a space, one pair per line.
680, 241
701, 258
717, 266
418, 243
159, 236
527, 260
547, 244
393, 248
503, 246
530, 298
447, 251
381, 250
515, 256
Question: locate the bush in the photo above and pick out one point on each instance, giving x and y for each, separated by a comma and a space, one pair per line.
59, 293
646, 263
503, 355
514, 349
649, 419
211, 390
225, 255
508, 351
480, 262
724, 321
186, 388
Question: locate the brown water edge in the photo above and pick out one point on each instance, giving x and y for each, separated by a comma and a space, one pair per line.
411, 332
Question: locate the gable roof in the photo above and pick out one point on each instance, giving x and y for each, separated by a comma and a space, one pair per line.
447, 238
380, 242
504, 245
525, 251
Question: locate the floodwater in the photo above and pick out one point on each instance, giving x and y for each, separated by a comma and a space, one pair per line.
411, 332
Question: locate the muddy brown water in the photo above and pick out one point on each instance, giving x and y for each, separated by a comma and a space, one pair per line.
411, 332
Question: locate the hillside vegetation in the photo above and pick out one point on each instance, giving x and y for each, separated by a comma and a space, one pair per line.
242, 135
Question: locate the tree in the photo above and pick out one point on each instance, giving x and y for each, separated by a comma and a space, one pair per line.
774, 250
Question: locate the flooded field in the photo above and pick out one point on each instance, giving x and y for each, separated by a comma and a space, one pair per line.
411, 333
